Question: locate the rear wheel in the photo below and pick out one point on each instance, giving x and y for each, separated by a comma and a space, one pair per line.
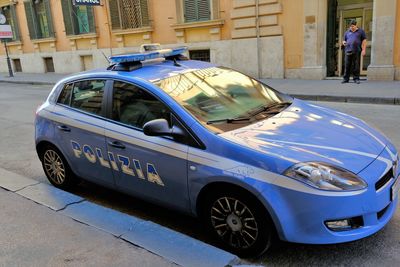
56, 168
239, 222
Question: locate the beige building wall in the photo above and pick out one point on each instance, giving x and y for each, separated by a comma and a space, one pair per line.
291, 43
163, 15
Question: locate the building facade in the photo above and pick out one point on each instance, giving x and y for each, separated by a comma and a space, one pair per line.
264, 38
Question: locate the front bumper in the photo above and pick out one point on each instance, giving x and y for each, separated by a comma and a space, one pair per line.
300, 217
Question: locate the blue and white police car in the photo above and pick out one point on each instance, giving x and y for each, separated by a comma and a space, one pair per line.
251, 162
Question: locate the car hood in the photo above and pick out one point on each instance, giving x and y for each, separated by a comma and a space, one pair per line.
306, 132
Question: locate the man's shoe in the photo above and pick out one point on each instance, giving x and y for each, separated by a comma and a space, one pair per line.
345, 81
357, 81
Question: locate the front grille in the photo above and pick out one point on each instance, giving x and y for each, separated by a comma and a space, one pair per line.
382, 212
385, 178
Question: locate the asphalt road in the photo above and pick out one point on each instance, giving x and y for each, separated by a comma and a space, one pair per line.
17, 111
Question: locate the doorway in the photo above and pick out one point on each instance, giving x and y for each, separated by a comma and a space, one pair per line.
340, 13
87, 62
48, 63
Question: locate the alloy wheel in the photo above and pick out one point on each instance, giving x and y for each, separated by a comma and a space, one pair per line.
54, 166
234, 222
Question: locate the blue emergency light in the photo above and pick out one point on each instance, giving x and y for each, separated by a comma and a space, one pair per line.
138, 57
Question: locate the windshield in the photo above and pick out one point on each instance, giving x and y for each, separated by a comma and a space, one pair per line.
220, 98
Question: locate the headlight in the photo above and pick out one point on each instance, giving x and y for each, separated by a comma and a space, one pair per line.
326, 177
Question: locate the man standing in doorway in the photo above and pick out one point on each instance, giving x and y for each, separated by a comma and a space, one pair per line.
355, 43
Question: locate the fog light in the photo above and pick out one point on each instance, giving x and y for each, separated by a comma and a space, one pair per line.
345, 224
339, 225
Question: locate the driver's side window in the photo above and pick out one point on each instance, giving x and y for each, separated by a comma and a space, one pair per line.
134, 106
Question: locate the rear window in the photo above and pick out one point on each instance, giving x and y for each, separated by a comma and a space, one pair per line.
84, 95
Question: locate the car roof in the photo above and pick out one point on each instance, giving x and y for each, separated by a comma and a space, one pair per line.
156, 70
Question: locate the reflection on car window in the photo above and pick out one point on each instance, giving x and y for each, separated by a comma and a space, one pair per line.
65, 96
218, 93
88, 95
134, 106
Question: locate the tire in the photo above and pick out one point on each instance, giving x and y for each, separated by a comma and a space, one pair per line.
238, 221
56, 168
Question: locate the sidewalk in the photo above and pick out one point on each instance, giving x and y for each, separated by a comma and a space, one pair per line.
377, 92
45, 226
33, 235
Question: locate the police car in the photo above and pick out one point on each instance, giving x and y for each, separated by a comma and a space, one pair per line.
251, 162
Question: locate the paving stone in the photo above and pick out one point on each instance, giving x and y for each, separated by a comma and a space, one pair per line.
49, 196
176, 247
106, 219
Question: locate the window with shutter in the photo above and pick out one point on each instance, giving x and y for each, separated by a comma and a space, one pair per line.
77, 19
38, 15
129, 14
197, 10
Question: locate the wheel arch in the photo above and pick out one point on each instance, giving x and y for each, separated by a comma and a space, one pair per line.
43, 143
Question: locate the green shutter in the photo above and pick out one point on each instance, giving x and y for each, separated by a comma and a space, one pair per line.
31, 19
67, 12
49, 18
144, 10
190, 10
197, 10
114, 14
14, 23
90, 15
203, 10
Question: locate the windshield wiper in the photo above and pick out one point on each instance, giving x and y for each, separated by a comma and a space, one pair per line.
270, 109
266, 109
229, 120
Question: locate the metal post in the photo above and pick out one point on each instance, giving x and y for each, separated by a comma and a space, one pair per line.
10, 72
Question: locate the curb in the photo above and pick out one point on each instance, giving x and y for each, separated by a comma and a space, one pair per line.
164, 242
349, 99
28, 82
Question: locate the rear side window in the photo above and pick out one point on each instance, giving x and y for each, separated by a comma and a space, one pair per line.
134, 106
65, 96
88, 96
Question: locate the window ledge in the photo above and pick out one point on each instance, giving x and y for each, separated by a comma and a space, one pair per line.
130, 31
14, 43
44, 40
82, 36
198, 24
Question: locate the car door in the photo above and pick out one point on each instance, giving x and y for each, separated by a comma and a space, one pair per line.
80, 129
154, 168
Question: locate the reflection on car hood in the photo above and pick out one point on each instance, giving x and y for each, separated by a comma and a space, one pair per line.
306, 132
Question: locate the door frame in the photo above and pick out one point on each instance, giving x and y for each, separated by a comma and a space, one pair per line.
340, 10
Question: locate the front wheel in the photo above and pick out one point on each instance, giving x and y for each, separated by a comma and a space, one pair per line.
239, 222
56, 168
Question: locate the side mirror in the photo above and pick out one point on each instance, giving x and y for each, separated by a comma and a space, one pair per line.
160, 127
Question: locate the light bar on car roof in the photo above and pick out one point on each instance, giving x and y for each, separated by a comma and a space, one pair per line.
137, 57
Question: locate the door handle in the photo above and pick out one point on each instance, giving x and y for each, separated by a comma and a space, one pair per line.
116, 144
63, 128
